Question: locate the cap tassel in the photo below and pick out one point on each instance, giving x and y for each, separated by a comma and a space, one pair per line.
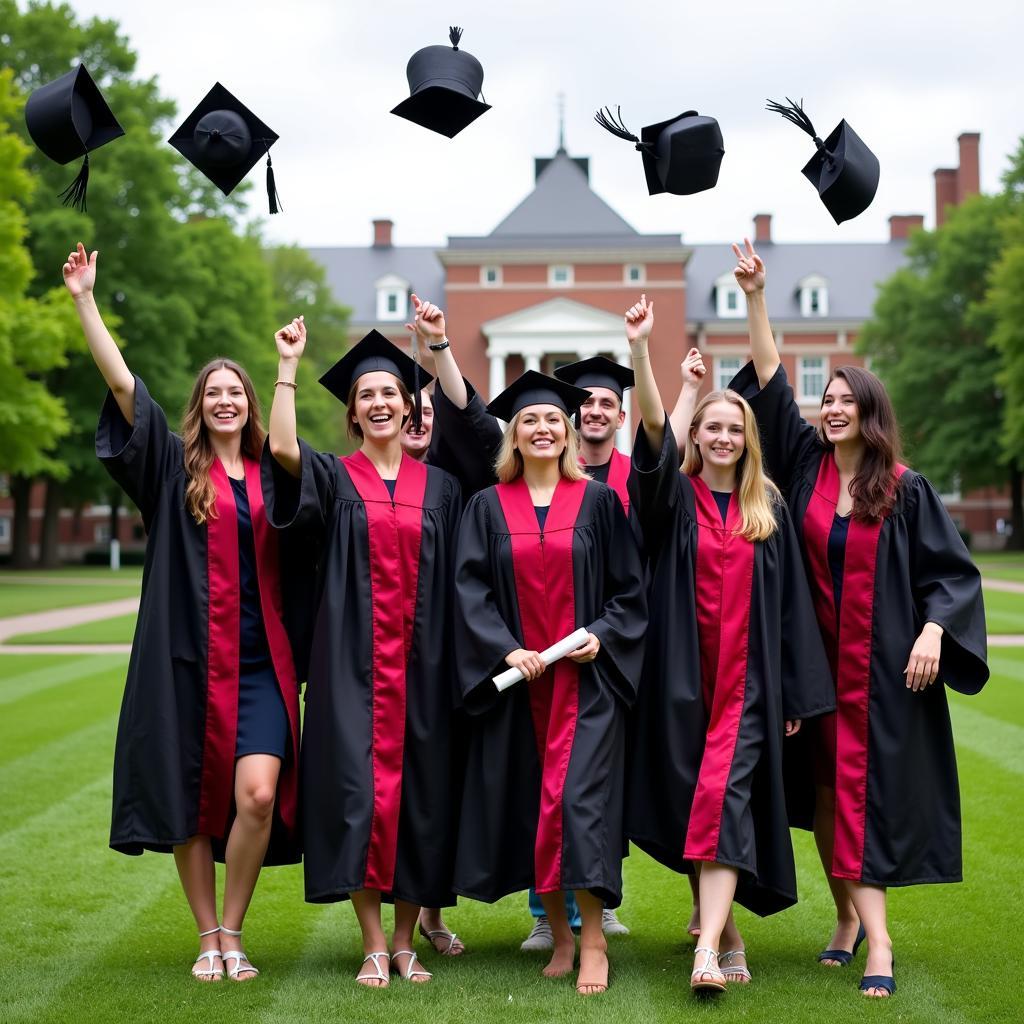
272, 197
417, 398
794, 112
74, 194
454, 34
616, 126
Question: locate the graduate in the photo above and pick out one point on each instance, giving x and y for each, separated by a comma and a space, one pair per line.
206, 758
899, 605
734, 663
377, 768
543, 553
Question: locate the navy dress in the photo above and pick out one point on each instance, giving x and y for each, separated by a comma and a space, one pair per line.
262, 718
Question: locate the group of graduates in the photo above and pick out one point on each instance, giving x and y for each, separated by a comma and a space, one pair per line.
766, 614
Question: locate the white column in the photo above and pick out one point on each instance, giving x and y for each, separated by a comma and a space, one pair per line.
532, 362
496, 384
624, 436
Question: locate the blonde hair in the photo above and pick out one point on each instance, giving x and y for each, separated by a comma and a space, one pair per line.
508, 463
757, 494
200, 494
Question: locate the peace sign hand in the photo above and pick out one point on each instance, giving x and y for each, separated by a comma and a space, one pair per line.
749, 272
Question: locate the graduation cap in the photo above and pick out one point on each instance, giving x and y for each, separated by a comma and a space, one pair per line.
444, 84
371, 353
68, 118
843, 170
681, 155
224, 139
597, 372
536, 388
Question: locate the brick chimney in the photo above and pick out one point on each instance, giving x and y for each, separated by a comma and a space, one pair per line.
968, 178
762, 227
382, 234
945, 193
901, 224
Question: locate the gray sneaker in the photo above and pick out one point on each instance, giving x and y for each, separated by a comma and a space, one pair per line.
610, 924
540, 938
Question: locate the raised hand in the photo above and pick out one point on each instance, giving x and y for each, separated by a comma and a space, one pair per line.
693, 368
80, 271
428, 323
749, 272
639, 321
291, 340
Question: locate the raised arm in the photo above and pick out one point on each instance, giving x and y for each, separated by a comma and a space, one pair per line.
80, 278
693, 371
429, 326
639, 324
750, 276
284, 438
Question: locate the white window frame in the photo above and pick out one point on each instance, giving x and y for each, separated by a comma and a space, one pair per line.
721, 380
553, 270
724, 287
484, 271
809, 287
5, 529
803, 396
101, 533
641, 273
392, 287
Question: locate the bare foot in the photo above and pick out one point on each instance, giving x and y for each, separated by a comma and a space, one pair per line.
843, 937
693, 928
593, 977
561, 961
879, 962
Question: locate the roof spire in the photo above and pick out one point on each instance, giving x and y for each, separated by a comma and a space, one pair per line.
561, 122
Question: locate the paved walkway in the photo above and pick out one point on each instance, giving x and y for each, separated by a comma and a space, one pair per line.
63, 618
1010, 586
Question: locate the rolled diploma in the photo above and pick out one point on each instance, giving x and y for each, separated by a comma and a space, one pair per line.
559, 650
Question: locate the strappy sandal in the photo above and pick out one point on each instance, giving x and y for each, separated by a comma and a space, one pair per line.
733, 971
886, 982
444, 934
697, 975
844, 957
242, 963
212, 972
409, 973
378, 975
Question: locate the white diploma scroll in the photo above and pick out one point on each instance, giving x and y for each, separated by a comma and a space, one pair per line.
512, 676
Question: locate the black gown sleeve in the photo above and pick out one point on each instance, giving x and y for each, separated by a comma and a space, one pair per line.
787, 439
142, 455
482, 637
807, 687
654, 487
947, 587
306, 502
465, 442
622, 625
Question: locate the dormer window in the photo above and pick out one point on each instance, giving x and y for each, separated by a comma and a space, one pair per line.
392, 298
729, 298
490, 277
813, 292
634, 273
559, 275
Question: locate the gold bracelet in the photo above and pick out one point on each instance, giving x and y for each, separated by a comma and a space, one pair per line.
288, 384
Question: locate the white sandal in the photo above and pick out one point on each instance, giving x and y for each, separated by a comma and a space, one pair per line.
209, 955
409, 973
733, 971
444, 933
716, 984
378, 974
242, 962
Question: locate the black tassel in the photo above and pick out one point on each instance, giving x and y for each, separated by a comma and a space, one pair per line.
454, 34
272, 197
417, 398
74, 194
616, 126
794, 112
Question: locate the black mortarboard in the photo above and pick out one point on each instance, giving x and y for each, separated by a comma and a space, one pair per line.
224, 139
536, 388
597, 372
843, 170
444, 84
374, 352
68, 118
681, 155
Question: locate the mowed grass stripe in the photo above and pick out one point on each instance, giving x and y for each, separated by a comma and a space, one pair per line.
996, 741
60, 669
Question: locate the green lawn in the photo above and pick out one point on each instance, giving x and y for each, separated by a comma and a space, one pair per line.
91, 936
21, 594
1003, 566
118, 630
1004, 611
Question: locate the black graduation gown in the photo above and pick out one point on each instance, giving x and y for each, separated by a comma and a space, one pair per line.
175, 750
377, 768
542, 800
465, 442
732, 652
897, 796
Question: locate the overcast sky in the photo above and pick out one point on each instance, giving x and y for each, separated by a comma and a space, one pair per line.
909, 78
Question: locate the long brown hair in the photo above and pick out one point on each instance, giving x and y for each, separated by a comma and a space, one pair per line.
200, 496
758, 496
508, 464
873, 487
